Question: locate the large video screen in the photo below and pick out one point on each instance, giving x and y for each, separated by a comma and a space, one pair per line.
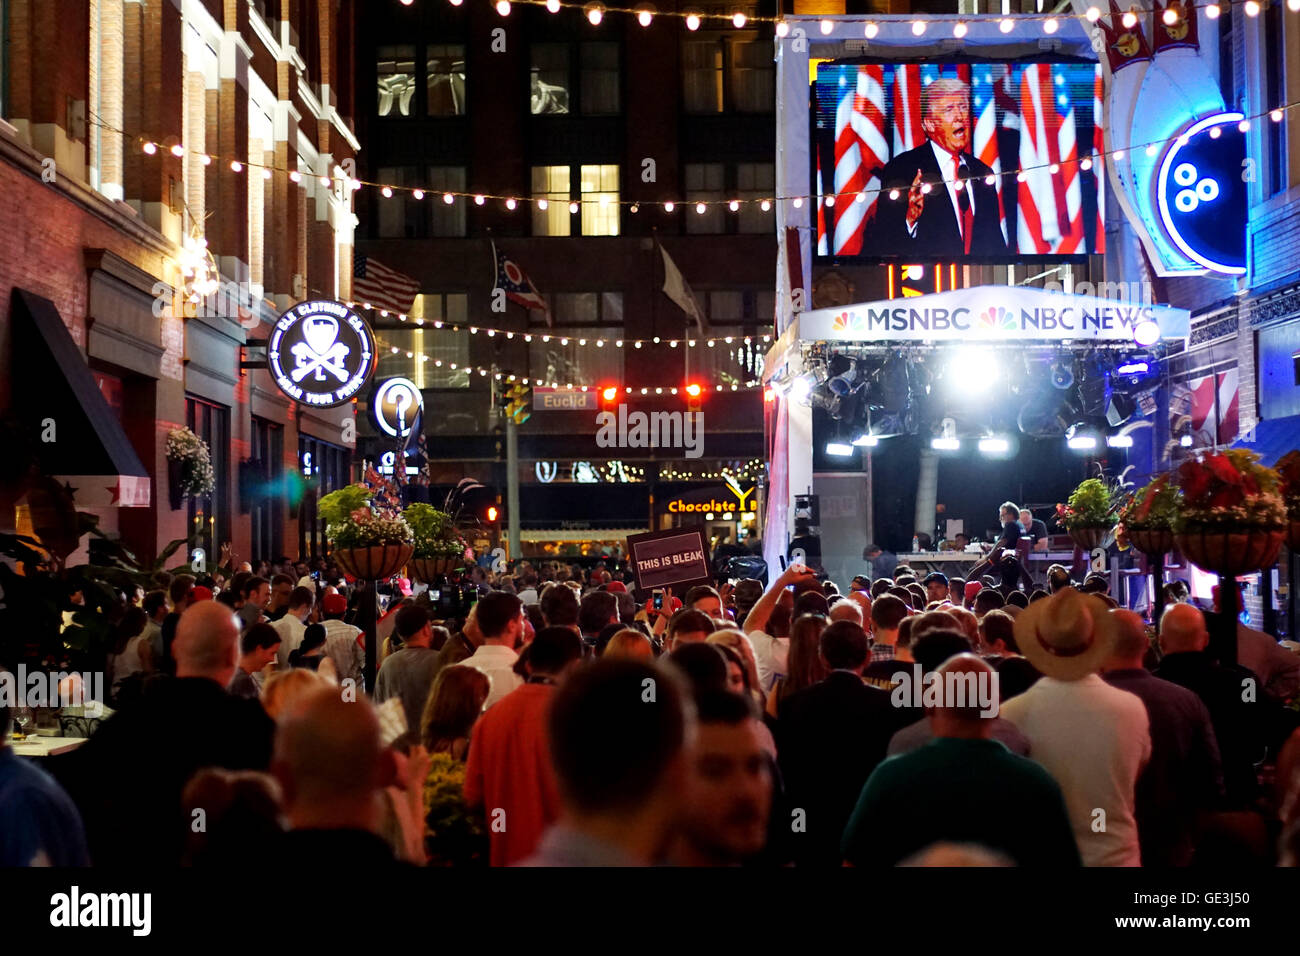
961, 162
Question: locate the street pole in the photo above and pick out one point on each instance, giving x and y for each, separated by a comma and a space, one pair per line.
512, 488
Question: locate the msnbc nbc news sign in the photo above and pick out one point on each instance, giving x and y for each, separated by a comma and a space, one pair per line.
991, 312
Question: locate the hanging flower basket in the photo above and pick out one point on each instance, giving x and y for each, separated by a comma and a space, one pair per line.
1153, 542
1089, 537
428, 569
189, 467
1229, 554
374, 563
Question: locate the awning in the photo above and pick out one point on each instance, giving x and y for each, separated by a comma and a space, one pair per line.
79, 442
1272, 439
535, 535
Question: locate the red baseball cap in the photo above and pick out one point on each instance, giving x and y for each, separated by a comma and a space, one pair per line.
618, 587
973, 588
200, 593
334, 604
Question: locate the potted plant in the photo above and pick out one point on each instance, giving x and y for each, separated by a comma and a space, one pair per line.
439, 548
367, 543
1148, 516
1089, 514
1288, 467
189, 467
1233, 519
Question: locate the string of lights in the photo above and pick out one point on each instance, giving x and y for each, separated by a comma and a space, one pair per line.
752, 469
511, 203
693, 19
570, 339
609, 392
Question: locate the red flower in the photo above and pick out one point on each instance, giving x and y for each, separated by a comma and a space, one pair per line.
1222, 468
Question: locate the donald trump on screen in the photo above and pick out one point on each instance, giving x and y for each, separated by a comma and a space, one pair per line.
944, 208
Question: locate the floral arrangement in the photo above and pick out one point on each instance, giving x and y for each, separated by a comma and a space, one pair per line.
191, 453
352, 521
434, 531
1229, 491
1288, 468
1092, 505
1153, 507
454, 835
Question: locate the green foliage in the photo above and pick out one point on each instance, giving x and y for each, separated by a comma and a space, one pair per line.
1092, 505
337, 506
434, 531
1154, 506
351, 523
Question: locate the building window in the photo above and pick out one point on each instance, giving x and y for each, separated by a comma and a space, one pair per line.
600, 209
704, 182
400, 216
445, 80
755, 182
599, 87
448, 220
1273, 37
551, 185
395, 71
728, 72
401, 348
549, 84
325, 468
734, 362
209, 516
570, 356
266, 488
106, 81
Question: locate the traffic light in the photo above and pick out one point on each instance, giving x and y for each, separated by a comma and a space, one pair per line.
492, 514
694, 395
520, 403
609, 394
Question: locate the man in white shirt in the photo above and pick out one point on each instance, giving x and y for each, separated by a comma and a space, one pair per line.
1094, 739
294, 623
771, 652
343, 641
500, 618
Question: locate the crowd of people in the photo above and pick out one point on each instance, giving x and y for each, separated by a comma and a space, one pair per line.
561, 721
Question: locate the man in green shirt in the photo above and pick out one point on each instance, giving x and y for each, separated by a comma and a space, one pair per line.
911, 801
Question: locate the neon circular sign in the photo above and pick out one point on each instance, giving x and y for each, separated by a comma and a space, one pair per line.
1201, 194
397, 407
320, 353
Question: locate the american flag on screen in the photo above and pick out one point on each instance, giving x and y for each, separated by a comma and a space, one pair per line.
1050, 203
379, 287
1098, 164
908, 133
514, 282
861, 150
988, 92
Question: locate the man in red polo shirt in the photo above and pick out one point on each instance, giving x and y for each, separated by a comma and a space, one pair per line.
509, 773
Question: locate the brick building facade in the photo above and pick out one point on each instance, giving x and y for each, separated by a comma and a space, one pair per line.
130, 131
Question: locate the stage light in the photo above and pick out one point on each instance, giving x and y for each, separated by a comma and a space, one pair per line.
1062, 375
1146, 333
802, 387
866, 441
1133, 367
945, 444
1120, 441
994, 446
843, 374
1185, 441
838, 449
1080, 438
971, 369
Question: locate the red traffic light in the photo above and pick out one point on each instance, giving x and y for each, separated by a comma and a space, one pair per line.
492, 513
693, 390
609, 393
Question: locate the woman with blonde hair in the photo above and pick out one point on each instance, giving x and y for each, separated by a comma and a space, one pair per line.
285, 688
631, 643
738, 642
805, 666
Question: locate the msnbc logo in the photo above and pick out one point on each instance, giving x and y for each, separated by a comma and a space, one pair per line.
847, 322
996, 317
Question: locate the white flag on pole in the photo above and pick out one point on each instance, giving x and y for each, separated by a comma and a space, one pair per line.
675, 288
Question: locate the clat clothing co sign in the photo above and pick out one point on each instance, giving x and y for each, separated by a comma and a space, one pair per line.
995, 313
321, 353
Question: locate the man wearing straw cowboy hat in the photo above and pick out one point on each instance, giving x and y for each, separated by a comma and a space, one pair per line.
1093, 738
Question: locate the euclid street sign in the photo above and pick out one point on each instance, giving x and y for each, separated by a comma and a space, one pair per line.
564, 399
320, 353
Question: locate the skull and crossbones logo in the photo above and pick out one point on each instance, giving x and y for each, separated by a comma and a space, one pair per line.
320, 351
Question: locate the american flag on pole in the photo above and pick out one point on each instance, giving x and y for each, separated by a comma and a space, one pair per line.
1215, 408
378, 287
861, 150
519, 289
1050, 203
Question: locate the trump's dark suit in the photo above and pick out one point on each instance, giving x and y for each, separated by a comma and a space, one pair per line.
938, 233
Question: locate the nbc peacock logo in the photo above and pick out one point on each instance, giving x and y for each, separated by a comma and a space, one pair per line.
847, 322
995, 318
